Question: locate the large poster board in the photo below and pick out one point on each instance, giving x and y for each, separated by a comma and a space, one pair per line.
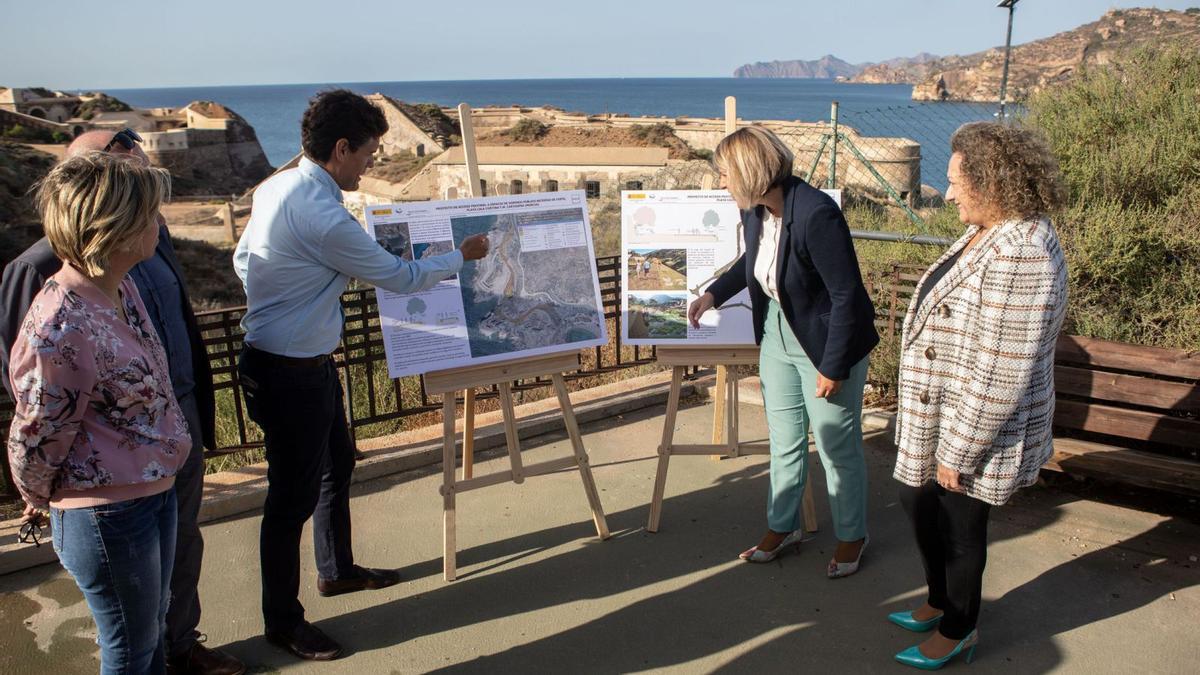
536, 292
674, 244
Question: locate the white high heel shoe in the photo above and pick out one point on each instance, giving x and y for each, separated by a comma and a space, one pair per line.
756, 556
838, 570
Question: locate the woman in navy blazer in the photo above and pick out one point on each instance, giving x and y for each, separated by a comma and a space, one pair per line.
815, 324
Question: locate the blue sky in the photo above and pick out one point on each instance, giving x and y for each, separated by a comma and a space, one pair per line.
159, 43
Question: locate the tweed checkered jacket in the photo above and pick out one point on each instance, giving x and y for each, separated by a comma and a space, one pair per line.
976, 387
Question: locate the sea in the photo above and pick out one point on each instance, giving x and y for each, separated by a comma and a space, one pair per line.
872, 109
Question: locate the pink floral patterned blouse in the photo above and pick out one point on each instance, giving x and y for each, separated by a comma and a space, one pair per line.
96, 420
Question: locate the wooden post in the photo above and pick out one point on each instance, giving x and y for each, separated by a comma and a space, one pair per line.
230, 221
469, 155
722, 370
833, 123
581, 457
468, 465
449, 543
664, 450
718, 431
474, 189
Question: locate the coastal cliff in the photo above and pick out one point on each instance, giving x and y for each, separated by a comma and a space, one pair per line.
1037, 64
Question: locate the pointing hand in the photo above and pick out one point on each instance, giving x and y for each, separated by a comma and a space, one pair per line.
474, 247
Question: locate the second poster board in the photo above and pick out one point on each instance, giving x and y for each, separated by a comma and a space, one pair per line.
674, 244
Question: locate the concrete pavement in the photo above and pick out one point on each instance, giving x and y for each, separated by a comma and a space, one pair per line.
1072, 585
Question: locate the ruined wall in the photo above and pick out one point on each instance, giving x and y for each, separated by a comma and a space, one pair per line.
451, 180
215, 161
402, 135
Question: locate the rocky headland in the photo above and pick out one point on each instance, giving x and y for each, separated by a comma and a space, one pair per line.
1033, 65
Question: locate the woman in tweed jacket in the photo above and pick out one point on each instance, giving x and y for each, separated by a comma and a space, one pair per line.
976, 384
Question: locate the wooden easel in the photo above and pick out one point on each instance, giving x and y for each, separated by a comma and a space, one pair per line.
501, 375
449, 382
725, 419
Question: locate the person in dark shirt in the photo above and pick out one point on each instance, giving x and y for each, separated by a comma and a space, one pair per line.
160, 282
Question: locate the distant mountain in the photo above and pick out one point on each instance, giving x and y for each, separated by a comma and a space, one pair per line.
826, 67
905, 61
1035, 65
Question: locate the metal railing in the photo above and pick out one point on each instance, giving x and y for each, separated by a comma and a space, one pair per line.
373, 398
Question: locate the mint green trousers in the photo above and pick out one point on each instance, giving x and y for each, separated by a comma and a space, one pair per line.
789, 387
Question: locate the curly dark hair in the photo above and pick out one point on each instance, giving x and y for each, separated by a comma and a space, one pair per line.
1011, 167
337, 114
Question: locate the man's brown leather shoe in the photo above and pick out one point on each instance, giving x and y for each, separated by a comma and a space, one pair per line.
306, 641
365, 578
200, 660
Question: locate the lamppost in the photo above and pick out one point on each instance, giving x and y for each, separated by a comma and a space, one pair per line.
1010, 5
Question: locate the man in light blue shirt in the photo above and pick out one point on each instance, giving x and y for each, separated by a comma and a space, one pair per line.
295, 258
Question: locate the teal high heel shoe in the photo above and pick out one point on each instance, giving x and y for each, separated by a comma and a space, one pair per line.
906, 621
913, 656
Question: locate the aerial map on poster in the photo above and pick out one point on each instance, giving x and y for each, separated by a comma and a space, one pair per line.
674, 244
536, 292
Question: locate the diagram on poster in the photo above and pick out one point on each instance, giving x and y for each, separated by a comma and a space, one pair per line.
674, 244
536, 292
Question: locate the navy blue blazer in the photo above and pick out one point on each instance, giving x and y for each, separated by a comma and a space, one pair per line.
820, 287
25, 276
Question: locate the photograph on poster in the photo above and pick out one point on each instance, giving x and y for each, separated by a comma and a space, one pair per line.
429, 249
395, 239
657, 269
661, 316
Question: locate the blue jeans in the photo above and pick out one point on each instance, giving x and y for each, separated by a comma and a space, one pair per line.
121, 556
789, 387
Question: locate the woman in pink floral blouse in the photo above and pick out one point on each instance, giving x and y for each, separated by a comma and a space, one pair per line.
97, 434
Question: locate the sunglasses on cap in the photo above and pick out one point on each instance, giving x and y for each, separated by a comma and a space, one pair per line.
126, 137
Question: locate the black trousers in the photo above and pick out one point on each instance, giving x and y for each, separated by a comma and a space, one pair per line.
183, 614
310, 459
951, 530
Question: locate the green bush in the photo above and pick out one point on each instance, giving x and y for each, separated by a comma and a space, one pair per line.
1128, 134
100, 103
1128, 140
528, 130
20, 132
656, 134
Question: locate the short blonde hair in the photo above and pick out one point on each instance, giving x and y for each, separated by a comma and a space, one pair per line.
755, 160
93, 205
1011, 167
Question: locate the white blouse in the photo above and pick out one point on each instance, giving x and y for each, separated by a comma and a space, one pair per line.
766, 264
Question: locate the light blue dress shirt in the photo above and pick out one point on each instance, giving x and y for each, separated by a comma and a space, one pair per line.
298, 253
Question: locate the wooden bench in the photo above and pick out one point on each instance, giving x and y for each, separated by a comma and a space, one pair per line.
1128, 413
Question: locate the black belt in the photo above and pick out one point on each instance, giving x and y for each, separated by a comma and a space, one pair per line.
286, 361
